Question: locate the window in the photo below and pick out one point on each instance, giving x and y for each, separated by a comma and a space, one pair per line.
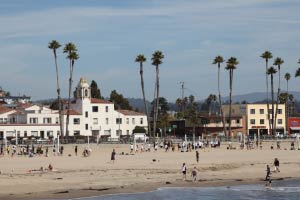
127, 120
76, 133
34, 133
279, 111
279, 121
25, 133
49, 134
270, 111
118, 120
133, 121
106, 121
4, 120
252, 111
261, 121
47, 120
238, 121
106, 108
141, 121
95, 108
86, 92
261, 111
1, 120
76, 121
95, 121
86, 127
119, 132
56, 120
252, 121
127, 132
33, 120
86, 114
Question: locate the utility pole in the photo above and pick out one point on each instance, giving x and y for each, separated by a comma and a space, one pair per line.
182, 97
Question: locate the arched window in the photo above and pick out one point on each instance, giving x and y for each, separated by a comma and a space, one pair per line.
86, 92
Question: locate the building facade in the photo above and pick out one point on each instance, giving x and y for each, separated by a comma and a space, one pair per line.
88, 117
257, 119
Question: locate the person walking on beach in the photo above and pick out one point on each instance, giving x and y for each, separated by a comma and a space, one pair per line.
183, 170
46, 151
276, 165
194, 174
76, 150
113, 156
197, 156
268, 176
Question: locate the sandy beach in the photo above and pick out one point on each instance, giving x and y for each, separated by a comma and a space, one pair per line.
77, 176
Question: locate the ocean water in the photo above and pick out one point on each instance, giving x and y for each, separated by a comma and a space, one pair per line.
281, 190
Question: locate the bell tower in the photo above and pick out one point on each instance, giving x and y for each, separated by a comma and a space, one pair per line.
83, 90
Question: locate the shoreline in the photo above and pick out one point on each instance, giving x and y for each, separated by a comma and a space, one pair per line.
86, 193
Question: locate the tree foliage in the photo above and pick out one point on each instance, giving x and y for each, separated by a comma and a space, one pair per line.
95, 91
119, 101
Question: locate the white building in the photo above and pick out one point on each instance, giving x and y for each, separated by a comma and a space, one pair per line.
88, 116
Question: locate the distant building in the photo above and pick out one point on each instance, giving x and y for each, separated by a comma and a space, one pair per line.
88, 117
257, 117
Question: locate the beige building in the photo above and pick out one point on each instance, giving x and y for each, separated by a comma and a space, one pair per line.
257, 117
258, 122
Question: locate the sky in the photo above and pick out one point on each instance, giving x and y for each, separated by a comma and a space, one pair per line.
109, 34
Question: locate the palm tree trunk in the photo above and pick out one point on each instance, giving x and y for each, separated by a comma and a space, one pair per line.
69, 99
272, 92
287, 105
275, 123
157, 91
230, 98
268, 106
154, 105
58, 95
220, 100
144, 98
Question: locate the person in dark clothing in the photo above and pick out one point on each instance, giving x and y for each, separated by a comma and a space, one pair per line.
197, 156
276, 165
76, 150
113, 156
268, 176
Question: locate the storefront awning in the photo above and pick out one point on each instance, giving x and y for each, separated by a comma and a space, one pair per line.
296, 128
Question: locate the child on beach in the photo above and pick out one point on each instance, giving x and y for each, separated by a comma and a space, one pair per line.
194, 174
183, 170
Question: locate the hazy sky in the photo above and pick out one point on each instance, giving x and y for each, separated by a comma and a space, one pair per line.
109, 34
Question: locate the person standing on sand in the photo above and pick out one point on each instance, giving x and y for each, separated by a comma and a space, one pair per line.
194, 174
131, 148
197, 156
183, 170
276, 165
76, 150
113, 156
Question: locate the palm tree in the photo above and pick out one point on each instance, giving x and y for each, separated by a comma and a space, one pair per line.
231, 66
267, 55
287, 77
54, 45
157, 57
218, 60
140, 59
278, 62
271, 72
71, 51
